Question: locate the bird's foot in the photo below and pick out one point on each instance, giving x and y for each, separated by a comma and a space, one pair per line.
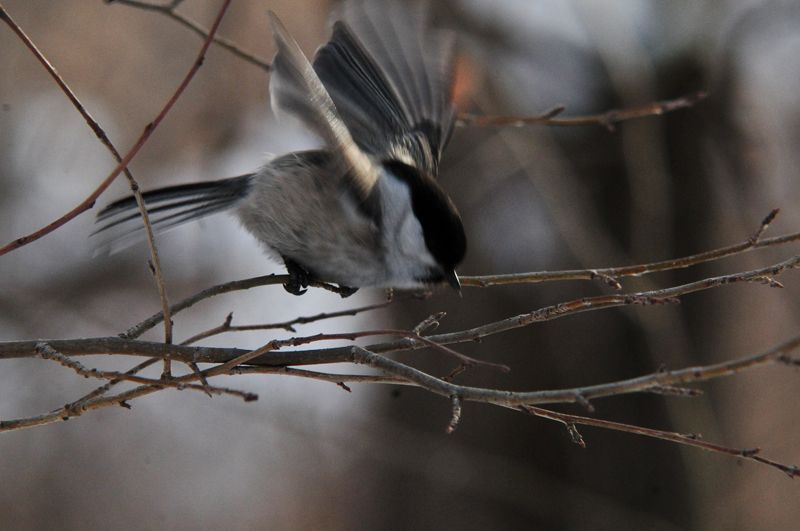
298, 277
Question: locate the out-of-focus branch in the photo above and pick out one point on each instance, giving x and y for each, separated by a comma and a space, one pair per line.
607, 119
148, 130
170, 10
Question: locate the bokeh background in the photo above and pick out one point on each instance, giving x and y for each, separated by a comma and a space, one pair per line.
308, 455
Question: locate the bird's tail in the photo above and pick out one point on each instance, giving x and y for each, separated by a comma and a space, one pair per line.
169, 207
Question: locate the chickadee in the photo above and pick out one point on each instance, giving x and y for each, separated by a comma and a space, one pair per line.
366, 209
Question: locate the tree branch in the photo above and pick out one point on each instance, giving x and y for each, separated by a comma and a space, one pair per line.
170, 10
607, 119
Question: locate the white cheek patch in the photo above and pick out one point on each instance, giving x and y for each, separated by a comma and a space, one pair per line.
411, 241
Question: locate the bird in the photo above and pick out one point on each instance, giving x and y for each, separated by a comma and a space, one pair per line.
365, 209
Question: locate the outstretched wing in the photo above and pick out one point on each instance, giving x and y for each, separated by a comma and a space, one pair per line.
391, 82
296, 89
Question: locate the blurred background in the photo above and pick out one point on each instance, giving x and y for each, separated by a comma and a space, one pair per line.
308, 455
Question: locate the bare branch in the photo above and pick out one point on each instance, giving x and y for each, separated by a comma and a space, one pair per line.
409, 340
101, 134
325, 377
170, 11
609, 274
148, 130
236, 285
226, 326
45, 351
690, 440
765, 225
607, 119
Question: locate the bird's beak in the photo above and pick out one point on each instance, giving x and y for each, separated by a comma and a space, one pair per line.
452, 279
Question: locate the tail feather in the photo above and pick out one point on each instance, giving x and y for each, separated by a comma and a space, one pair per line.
169, 207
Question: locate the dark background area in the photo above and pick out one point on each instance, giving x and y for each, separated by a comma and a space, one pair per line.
308, 455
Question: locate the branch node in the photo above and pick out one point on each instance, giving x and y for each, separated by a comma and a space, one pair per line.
675, 391
584, 402
451, 427
344, 386
458, 370
575, 435
606, 279
750, 452
431, 323
764, 225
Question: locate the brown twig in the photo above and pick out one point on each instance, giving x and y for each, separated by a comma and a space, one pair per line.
148, 130
101, 134
609, 274
226, 326
691, 440
409, 335
606, 119
45, 351
322, 376
408, 341
170, 11
606, 275
100, 391
581, 395
236, 285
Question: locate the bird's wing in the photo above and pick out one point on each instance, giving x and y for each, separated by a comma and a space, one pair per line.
296, 89
391, 82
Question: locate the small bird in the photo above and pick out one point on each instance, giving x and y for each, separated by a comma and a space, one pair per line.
365, 210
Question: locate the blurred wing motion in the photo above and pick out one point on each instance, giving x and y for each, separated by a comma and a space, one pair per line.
295, 89
391, 82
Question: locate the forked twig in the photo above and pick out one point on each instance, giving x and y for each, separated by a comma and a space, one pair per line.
148, 130
170, 10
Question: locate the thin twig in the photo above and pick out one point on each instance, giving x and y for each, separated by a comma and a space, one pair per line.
690, 440
226, 326
100, 391
101, 134
45, 351
606, 275
170, 11
408, 341
236, 285
606, 119
658, 380
410, 335
633, 271
322, 376
148, 130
